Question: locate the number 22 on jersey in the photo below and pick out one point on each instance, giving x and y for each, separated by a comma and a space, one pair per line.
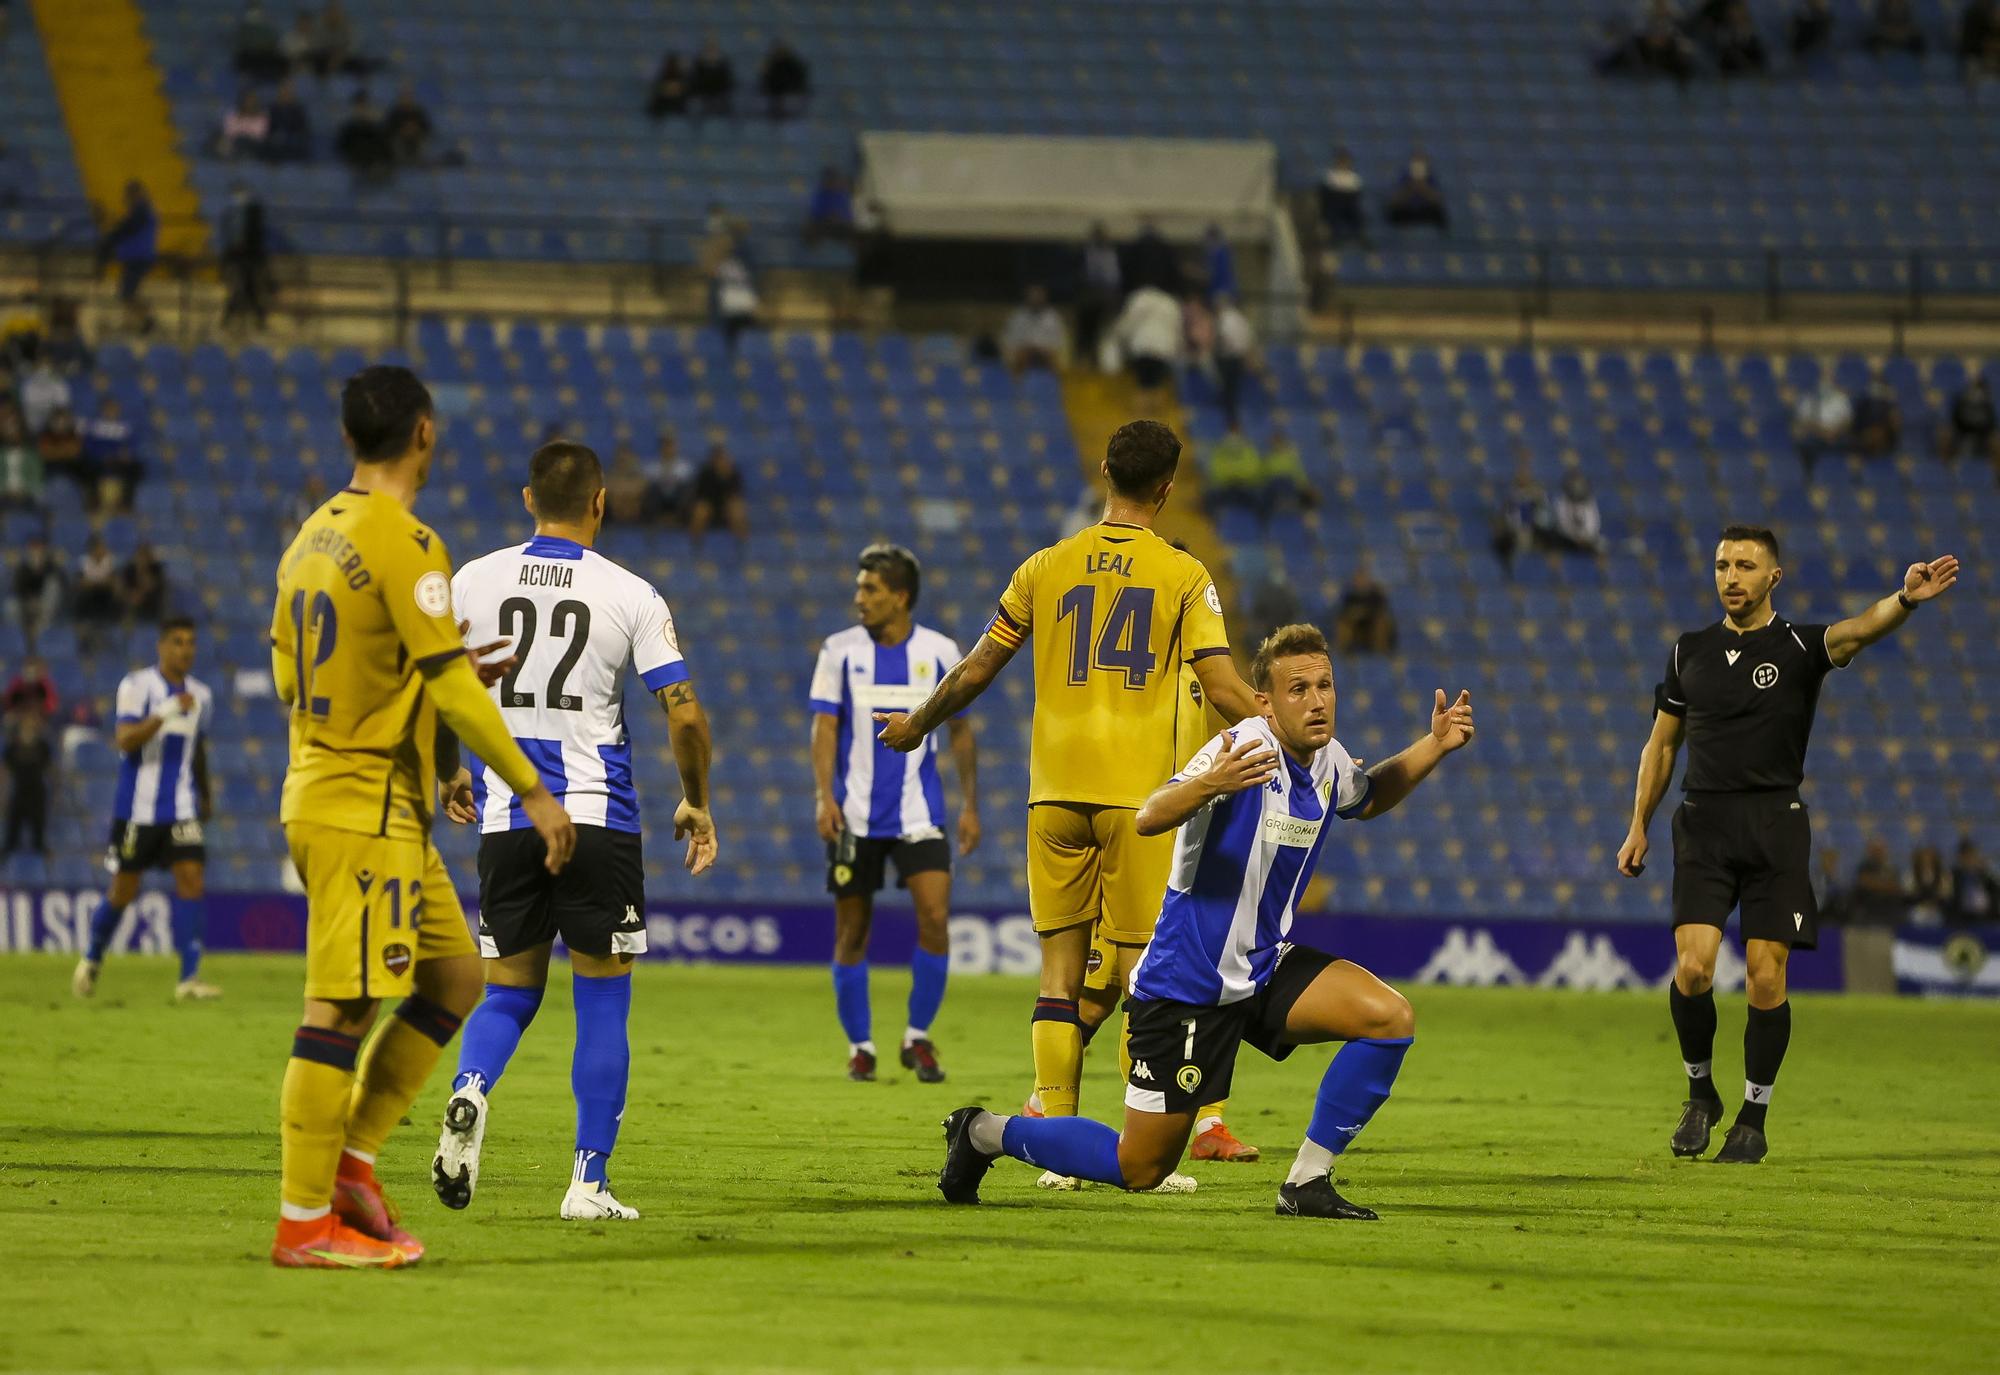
1122, 645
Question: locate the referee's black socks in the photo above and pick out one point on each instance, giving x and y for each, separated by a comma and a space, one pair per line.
1765, 1037
1694, 1024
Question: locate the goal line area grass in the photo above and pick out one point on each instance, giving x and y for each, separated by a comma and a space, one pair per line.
1532, 1219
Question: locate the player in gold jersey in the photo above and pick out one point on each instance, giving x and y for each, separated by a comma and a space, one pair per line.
366, 654
1116, 612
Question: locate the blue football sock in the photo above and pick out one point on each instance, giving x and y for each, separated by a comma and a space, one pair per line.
103, 926
592, 1167
189, 918
927, 976
1078, 1146
1355, 1085
493, 1032
602, 1062
850, 999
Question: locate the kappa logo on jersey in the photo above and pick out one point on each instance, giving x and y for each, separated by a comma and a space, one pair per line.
1764, 675
1141, 1070
1733, 655
433, 593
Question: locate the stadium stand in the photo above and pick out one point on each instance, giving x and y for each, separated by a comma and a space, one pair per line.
845, 438
1851, 164
40, 191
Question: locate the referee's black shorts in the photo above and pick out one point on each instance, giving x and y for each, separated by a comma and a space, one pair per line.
1750, 850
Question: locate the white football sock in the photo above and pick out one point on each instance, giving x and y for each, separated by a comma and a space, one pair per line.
987, 1133
1312, 1161
1206, 1123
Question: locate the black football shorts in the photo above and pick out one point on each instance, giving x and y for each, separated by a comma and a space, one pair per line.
1751, 851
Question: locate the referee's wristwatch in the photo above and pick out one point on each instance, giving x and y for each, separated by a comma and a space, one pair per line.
1903, 601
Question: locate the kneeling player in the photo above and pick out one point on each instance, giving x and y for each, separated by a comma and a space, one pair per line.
1251, 808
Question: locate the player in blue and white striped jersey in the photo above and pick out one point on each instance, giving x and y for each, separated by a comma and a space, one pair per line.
1251, 808
876, 805
164, 714
579, 624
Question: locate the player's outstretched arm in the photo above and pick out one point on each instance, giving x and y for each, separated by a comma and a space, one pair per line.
956, 691
687, 731
1394, 779
462, 701
1222, 685
1249, 763
1656, 772
1921, 582
965, 759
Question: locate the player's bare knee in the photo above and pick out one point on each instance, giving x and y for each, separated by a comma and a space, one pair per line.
1694, 974
1764, 980
1392, 1016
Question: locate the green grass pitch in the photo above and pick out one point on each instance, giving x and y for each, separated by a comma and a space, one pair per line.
1532, 1219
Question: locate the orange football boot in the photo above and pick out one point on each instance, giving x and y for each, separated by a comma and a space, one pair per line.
327, 1243
1219, 1143
358, 1201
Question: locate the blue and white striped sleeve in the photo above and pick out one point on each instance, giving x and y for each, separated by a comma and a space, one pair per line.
656, 651
829, 677
1352, 787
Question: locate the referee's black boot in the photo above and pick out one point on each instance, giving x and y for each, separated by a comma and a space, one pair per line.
1318, 1198
1745, 1145
1698, 1119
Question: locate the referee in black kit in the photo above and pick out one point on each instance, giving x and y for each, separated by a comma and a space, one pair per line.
1742, 692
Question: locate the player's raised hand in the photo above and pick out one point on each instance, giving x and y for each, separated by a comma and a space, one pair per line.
968, 831
896, 732
1632, 854
1451, 725
552, 824
1247, 763
697, 827
827, 819
455, 798
1922, 581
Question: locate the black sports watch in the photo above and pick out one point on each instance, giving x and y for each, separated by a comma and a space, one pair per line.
1904, 602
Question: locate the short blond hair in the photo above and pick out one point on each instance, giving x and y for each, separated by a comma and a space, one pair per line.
1286, 642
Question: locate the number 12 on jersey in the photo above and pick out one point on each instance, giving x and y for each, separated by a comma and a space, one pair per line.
1123, 645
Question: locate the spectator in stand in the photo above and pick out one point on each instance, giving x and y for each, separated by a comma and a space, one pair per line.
30, 692
30, 757
1218, 262
1102, 287
1877, 897
1341, 208
733, 299
1283, 475
712, 81
1739, 50
142, 584
1233, 474
1979, 38
1149, 260
1811, 27
1975, 893
1971, 423
1418, 197
290, 139
1822, 423
1661, 48
785, 81
95, 606
362, 141
339, 48
60, 445
36, 593
63, 345
1148, 333
111, 456
1894, 29
256, 45
1575, 525
1363, 622
1235, 350
246, 257
1198, 333
625, 488
134, 244
830, 211
22, 477
300, 45
670, 486
1878, 420
718, 497
1034, 336
44, 391
246, 128
669, 95
1929, 886
410, 128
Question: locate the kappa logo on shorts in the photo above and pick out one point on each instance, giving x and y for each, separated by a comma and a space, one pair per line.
396, 959
1189, 1078
1764, 675
1140, 1070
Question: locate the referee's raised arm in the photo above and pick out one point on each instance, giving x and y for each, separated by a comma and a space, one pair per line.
1921, 582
